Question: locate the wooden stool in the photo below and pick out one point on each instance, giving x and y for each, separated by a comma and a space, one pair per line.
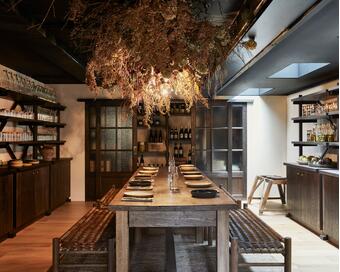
257, 182
281, 182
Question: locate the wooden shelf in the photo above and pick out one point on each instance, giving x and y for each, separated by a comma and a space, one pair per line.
304, 143
317, 97
36, 143
33, 122
152, 153
315, 118
26, 99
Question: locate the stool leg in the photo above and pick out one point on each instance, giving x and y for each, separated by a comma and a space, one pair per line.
288, 255
257, 182
265, 197
234, 255
282, 193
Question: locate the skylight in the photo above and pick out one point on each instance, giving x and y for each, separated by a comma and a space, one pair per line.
297, 70
255, 91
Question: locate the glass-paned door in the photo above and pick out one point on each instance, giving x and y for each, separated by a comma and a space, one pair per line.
108, 147
221, 144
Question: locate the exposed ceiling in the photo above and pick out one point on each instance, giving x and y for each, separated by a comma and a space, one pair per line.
47, 53
312, 38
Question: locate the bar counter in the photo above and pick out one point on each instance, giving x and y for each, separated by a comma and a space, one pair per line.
172, 210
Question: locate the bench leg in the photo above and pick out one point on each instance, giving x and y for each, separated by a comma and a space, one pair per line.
265, 197
234, 255
257, 182
111, 255
55, 254
288, 255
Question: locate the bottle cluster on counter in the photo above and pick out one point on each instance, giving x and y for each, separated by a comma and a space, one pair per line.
141, 162
180, 134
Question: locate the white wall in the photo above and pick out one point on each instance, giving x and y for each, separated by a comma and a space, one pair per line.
267, 132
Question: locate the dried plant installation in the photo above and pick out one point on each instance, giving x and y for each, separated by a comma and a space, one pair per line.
150, 50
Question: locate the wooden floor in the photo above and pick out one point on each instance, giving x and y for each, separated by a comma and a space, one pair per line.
30, 250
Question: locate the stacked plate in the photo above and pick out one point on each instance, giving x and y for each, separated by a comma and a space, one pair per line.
138, 196
198, 184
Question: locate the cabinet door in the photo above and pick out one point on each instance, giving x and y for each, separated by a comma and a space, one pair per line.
331, 208
25, 208
6, 204
41, 190
60, 183
293, 189
310, 199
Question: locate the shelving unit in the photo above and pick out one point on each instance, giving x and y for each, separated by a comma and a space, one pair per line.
23, 100
316, 98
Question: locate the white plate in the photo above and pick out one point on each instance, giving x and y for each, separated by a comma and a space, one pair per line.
138, 194
150, 168
147, 172
198, 184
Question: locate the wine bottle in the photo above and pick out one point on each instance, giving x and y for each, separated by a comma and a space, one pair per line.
141, 162
186, 134
189, 133
176, 150
171, 134
176, 134
151, 137
160, 138
181, 135
189, 157
180, 151
137, 163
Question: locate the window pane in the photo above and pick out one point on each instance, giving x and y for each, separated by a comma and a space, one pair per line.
220, 116
92, 166
92, 113
203, 160
92, 139
220, 160
124, 139
237, 116
108, 116
124, 117
202, 138
237, 163
108, 161
108, 139
124, 161
237, 139
202, 117
220, 138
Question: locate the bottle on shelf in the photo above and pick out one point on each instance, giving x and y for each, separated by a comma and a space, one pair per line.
189, 134
176, 134
189, 157
176, 151
160, 138
182, 108
140, 122
141, 162
186, 134
171, 134
137, 164
181, 134
180, 151
151, 138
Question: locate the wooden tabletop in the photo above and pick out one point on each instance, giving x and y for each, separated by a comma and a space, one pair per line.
165, 200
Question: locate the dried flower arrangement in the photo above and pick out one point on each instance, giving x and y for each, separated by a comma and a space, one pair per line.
148, 50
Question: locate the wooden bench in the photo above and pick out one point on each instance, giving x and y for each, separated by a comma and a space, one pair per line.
89, 244
250, 235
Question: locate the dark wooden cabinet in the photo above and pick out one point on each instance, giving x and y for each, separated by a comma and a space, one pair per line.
6, 205
59, 182
32, 195
330, 196
304, 197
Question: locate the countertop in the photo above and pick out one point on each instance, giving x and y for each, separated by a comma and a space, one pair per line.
324, 171
332, 172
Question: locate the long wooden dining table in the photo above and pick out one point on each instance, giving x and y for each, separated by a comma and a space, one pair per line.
169, 209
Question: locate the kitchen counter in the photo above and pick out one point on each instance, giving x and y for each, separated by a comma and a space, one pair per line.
310, 168
330, 172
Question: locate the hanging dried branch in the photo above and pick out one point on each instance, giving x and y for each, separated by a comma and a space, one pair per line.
147, 50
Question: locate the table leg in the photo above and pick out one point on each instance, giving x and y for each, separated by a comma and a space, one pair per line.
122, 241
222, 241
